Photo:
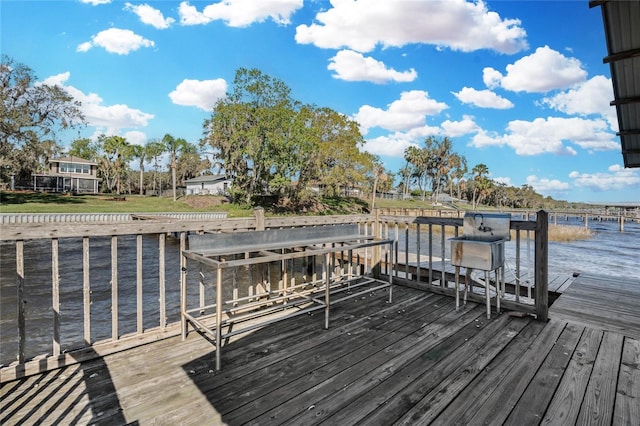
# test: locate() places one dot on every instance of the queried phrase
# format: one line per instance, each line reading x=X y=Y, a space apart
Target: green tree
x=441 y=159
x=418 y=158
x=405 y=174
x=190 y=164
x=481 y=184
x=140 y=152
x=458 y=171
x=30 y=113
x=249 y=132
x=271 y=144
x=117 y=153
x=155 y=149
x=340 y=165
x=378 y=175
x=85 y=149
x=174 y=147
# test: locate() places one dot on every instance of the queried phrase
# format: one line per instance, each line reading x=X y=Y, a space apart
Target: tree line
x=267 y=142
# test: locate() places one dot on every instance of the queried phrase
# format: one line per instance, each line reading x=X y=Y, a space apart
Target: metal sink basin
x=477 y=252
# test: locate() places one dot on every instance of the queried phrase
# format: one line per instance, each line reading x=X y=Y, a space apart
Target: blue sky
x=517 y=85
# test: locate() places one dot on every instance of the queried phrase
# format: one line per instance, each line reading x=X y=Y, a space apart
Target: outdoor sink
x=477 y=252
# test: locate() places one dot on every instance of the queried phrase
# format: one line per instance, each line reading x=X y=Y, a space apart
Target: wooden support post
x=55 y=295
x=621 y=223
x=541 y=266
x=418 y=273
x=86 y=290
x=162 y=279
x=114 y=287
x=258 y=214
x=376 y=252
x=139 y=305
x=20 y=299
x=218 y=319
x=183 y=285
x=327 y=290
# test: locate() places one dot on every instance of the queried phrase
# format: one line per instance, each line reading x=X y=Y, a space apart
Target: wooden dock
x=413 y=361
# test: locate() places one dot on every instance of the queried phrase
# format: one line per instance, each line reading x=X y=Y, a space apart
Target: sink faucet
x=482 y=227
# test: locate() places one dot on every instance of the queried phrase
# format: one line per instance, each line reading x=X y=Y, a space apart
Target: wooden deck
x=604 y=303
x=414 y=361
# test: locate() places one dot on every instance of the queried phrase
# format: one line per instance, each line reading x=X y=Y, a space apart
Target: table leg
x=487 y=295
x=327 y=284
x=458 y=287
x=218 y=319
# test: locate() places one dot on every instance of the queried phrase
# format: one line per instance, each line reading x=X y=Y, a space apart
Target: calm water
x=607 y=252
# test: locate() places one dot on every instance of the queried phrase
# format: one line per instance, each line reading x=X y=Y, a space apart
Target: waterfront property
x=68 y=174
x=208 y=185
x=412 y=360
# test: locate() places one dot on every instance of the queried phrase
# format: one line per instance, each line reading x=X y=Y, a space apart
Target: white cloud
x=110 y=117
x=616 y=178
x=199 y=93
x=116 y=40
x=189 y=15
x=353 y=66
x=482 y=98
x=403 y=114
x=394 y=144
x=136 y=137
x=389 y=146
x=504 y=180
x=591 y=97
x=542 y=71
x=460 y=25
x=549 y=135
x=150 y=16
x=240 y=13
x=459 y=128
x=96 y=2
x=545 y=186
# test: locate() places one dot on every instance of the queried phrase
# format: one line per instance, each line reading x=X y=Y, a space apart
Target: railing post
x=20 y=299
x=541 y=265
x=376 y=252
x=258 y=213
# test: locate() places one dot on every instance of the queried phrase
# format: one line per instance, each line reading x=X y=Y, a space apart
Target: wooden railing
x=133 y=324
x=429 y=267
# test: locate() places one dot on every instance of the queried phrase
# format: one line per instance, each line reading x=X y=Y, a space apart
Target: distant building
x=68 y=174
x=208 y=185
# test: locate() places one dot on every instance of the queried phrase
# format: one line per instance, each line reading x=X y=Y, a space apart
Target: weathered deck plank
x=605 y=303
x=413 y=361
x=627 y=409
x=597 y=407
x=565 y=405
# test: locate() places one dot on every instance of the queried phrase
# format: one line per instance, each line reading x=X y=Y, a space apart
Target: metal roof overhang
x=621 y=20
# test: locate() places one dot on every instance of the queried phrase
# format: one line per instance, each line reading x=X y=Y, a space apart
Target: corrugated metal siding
x=622 y=29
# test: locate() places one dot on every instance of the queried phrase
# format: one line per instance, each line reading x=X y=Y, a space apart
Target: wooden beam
x=628 y=132
x=626 y=54
x=541 y=265
x=594 y=3
x=625 y=101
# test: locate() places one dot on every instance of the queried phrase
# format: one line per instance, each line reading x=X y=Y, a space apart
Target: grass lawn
x=37 y=202
x=29 y=202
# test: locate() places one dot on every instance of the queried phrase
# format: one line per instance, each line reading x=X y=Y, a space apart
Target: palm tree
x=118 y=153
x=140 y=152
x=154 y=150
x=481 y=183
x=174 y=147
